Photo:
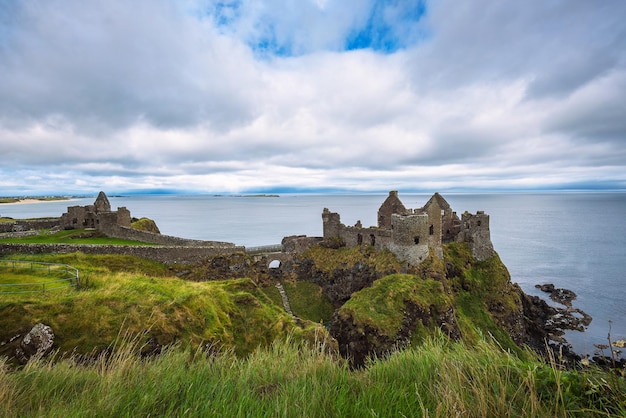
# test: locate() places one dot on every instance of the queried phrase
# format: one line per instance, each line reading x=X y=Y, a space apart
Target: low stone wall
x=162 y=254
x=159 y=239
x=28 y=225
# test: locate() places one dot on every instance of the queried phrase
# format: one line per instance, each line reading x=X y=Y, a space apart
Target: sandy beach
x=24 y=201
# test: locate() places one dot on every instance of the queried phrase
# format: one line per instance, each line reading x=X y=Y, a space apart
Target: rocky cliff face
x=459 y=297
x=382 y=305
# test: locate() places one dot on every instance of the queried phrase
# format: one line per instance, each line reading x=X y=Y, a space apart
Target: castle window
x=373 y=239
x=359 y=239
x=478 y=223
x=416 y=240
x=431 y=230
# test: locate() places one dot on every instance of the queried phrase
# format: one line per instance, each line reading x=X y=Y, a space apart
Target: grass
x=307 y=301
x=23 y=277
x=295 y=379
x=382 y=306
x=140 y=296
x=327 y=259
x=73 y=236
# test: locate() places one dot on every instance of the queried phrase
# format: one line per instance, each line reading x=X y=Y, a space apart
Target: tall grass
x=295 y=379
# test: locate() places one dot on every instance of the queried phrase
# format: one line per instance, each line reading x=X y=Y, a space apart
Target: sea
x=574 y=240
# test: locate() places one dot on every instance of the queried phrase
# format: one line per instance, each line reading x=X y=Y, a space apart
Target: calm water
x=574 y=240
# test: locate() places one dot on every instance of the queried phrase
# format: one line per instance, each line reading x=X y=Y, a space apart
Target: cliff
x=391 y=306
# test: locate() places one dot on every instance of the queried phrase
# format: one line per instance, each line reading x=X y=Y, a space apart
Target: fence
x=68 y=276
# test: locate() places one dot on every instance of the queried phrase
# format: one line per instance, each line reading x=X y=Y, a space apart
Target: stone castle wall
x=477 y=234
x=116 y=231
x=411 y=233
x=28 y=225
x=164 y=254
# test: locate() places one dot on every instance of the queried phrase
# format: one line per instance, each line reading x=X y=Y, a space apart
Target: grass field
x=295 y=379
x=73 y=236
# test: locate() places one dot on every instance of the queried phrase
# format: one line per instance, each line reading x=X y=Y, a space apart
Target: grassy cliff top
x=131 y=295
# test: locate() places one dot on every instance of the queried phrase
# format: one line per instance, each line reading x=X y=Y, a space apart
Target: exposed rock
x=37 y=342
x=145 y=224
x=339 y=284
x=548 y=287
x=562 y=296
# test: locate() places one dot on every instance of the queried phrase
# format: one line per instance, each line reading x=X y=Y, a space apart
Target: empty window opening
x=478 y=223
x=431 y=230
x=359 y=239
x=372 y=239
x=416 y=240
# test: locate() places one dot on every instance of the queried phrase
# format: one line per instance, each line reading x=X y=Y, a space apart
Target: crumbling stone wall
x=116 y=231
x=164 y=254
x=379 y=238
x=410 y=233
x=477 y=234
x=28 y=225
x=391 y=205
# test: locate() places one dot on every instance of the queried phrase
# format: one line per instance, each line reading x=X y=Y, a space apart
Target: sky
x=207 y=96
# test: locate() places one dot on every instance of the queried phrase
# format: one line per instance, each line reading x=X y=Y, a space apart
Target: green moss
x=308 y=302
x=327 y=259
x=145 y=224
x=383 y=305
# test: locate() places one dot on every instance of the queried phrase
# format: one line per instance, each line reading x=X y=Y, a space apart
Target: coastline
x=30 y=200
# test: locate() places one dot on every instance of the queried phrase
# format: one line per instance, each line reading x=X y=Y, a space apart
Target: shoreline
x=31 y=200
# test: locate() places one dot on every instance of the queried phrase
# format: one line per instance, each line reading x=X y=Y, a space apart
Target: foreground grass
x=437 y=379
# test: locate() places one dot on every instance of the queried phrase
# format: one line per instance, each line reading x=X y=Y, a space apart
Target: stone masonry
x=411 y=233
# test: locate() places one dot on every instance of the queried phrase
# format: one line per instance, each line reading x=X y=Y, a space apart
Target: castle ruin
x=411 y=233
x=97 y=216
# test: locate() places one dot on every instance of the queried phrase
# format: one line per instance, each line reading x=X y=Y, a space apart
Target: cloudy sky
x=277 y=95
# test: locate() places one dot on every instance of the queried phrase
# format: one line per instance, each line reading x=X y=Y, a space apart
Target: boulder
x=37 y=342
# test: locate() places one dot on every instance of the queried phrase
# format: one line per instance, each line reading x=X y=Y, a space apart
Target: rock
x=37 y=342
x=548 y=287
x=562 y=296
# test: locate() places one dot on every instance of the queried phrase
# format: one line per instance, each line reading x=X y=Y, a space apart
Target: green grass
x=327 y=259
x=73 y=236
x=294 y=379
x=382 y=306
x=124 y=292
x=308 y=302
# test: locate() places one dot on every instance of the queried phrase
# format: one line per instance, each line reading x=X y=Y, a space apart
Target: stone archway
x=274 y=264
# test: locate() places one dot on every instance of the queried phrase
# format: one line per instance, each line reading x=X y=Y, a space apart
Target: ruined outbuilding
x=411 y=233
x=98 y=216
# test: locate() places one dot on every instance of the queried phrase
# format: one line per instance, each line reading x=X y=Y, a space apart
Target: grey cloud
x=595 y=115
x=108 y=65
x=490 y=40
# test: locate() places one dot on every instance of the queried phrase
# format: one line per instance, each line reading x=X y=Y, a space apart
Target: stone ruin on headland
x=411 y=233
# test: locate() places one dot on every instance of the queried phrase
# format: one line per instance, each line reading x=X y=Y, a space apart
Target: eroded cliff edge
x=383 y=305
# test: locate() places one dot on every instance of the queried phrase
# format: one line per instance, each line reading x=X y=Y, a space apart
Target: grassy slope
x=437 y=379
x=73 y=236
x=128 y=294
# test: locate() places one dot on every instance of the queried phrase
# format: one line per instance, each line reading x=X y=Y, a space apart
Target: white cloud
x=157 y=94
